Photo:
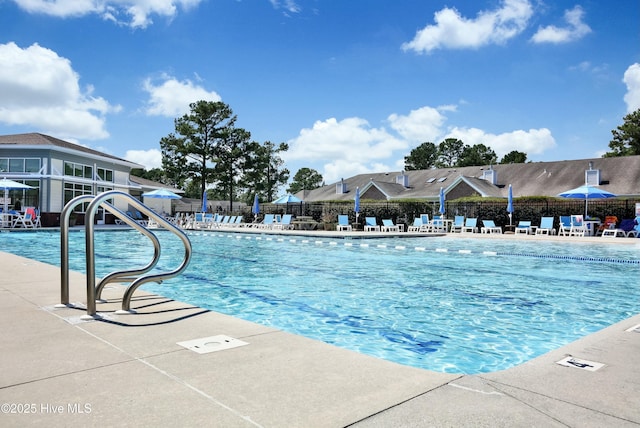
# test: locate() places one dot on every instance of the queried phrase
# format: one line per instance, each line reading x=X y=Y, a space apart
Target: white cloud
x=576 y=29
x=340 y=149
x=632 y=80
x=288 y=5
x=137 y=12
x=41 y=90
x=171 y=97
x=349 y=146
x=454 y=31
x=149 y=158
x=532 y=142
x=420 y=125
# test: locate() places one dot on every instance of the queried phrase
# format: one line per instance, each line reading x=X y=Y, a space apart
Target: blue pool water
x=445 y=304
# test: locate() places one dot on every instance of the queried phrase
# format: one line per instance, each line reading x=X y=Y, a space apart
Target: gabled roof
x=618 y=175
x=40 y=141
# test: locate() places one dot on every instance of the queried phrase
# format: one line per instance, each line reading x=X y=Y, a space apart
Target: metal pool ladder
x=136 y=277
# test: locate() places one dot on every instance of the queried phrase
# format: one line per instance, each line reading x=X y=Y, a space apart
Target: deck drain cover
x=212 y=344
x=577 y=363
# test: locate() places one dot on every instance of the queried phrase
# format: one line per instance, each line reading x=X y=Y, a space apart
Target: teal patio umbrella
x=161 y=194
x=587 y=192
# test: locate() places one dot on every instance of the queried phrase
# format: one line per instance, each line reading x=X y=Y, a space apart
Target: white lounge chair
x=343 y=223
x=389 y=226
x=489 y=226
x=458 y=224
x=524 y=226
x=470 y=226
x=546 y=226
x=371 y=225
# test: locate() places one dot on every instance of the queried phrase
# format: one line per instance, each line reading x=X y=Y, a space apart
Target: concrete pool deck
x=128 y=370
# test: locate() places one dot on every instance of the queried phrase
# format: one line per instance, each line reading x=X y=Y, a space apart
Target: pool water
x=444 y=304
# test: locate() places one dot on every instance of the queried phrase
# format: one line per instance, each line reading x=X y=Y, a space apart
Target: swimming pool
x=445 y=304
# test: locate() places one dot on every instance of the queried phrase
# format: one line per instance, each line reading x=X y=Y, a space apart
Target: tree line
x=208 y=151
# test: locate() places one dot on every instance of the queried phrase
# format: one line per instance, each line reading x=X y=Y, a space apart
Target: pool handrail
x=93 y=291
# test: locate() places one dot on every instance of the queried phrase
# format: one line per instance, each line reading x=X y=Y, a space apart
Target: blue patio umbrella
x=587 y=192
x=441 y=210
x=510 y=204
x=287 y=199
x=204 y=201
x=161 y=194
x=256 y=206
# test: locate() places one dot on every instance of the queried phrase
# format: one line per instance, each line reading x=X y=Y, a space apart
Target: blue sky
x=352 y=86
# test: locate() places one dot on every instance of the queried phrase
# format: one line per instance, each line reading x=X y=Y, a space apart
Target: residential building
x=618 y=175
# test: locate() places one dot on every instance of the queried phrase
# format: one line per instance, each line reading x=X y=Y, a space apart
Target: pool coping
x=129 y=370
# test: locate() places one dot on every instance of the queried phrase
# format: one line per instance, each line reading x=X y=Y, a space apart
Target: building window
x=71 y=190
x=20 y=165
x=78 y=170
x=105 y=174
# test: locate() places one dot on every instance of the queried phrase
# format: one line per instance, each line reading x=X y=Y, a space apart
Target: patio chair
x=389 y=226
x=24 y=220
x=416 y=226
x=343 y=223
x=565 y=225
x=610 y=222
x=438 y=225
x=285 y=223
x=267 y=221
x=458 y=224
x=578 y=228
x=628 y=226
x=371 y=225
x=546 y=226
x=489 y=226
x=524 y=226
x=470 y=226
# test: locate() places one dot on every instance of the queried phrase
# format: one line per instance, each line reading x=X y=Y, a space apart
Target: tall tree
x=449 y=152
x=425 y=156
x=231 y=153
x=174 y=160
x=264 y=170
x=199 y=133
x=305 y=179
x=626 y=138
x=514 y=156
x=478 y=154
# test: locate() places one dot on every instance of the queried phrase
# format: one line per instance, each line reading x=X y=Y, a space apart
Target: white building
x=58 y=171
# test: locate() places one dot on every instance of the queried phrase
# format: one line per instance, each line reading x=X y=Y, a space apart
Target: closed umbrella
x=510 y=205
x=442 y=209
x=356 y=204
x=204 y=201
x=256 y=207
x=10 y=184
x=587 y=192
